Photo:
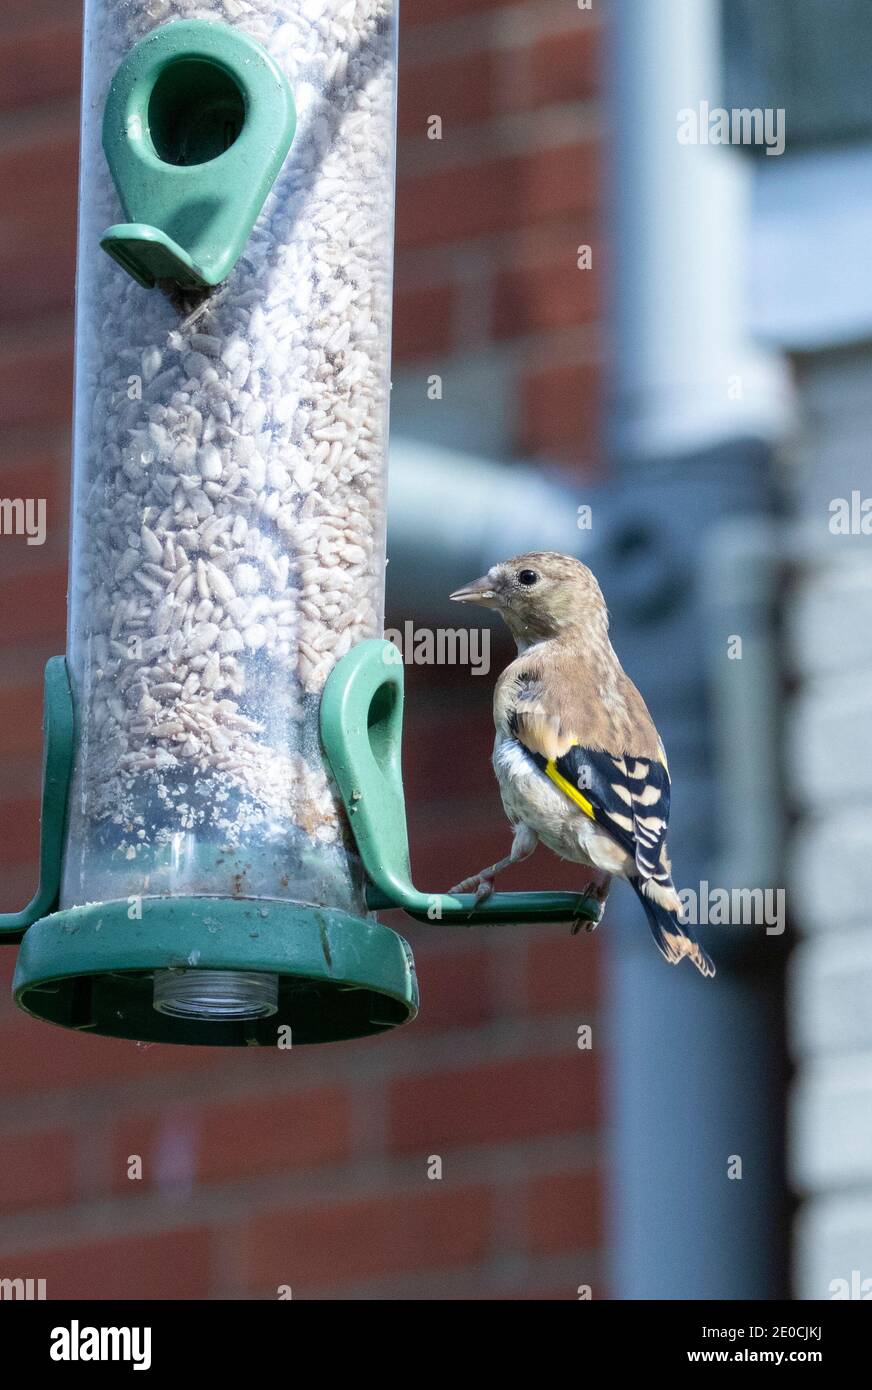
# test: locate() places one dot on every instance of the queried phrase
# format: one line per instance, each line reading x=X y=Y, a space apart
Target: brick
x=545 y=870
x=19 y=842
x=40 y=64
x=234 y=1139
x=455 y=990
x=460 y=89
x=561 y=412
x=21 y=15
x=31 y=285
x=22 y=564
x=162 y=1265
x=566 y=67
x=431 y=776
x=536 y=298
x=18 y=887
x=39 y=1058
x=36 y=384
x=29 y=474
x=563 y=971
x=420 y=12
x=38 y=481
x=35 y=611
x=265 y=1133
x=442 y=854
x=7 y=970
x=38 y=211
x=474 y=87
x=316 y=1247
x=36 y=172
x=551 y=241
x=36 y=1169
x=422 y=322
x=446 y=847
x=564 y=1212
x=496 y=1101
x=21 y=721
x=480 y=199
x=549 y=1294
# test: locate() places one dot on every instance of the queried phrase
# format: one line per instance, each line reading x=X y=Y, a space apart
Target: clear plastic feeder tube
x=229 y=491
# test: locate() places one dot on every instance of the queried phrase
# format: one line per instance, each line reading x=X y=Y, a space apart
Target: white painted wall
x=828 y=750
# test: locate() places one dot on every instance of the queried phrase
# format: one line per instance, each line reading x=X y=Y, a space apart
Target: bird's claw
x=478 y=884
x=584 y=925
x=597 y=888
x=599 y=891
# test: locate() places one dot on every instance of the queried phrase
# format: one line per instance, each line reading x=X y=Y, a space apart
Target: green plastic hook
x=59 y=745
x=361 y=730
x=198 y=122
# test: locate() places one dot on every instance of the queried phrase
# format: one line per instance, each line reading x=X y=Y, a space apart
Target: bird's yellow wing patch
x=566 y=786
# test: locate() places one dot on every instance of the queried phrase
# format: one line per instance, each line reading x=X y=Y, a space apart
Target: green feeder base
x=93 y=968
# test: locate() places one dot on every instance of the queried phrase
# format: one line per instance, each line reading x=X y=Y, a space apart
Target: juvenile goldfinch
x=579 y=762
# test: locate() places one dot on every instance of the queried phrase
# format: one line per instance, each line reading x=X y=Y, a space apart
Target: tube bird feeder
x=222 y=803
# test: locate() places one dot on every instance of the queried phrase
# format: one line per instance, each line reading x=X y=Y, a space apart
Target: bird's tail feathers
x=673 y=938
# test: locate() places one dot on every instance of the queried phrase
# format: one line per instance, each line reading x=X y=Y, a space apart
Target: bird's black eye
x=528 y=577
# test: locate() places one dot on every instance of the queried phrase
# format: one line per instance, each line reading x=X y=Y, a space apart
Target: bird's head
x=540 y=595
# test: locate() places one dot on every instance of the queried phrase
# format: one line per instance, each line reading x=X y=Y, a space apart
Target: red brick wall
x=490 y=216
x=309 y=1167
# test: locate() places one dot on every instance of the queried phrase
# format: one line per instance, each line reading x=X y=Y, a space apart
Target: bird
x=579 y=762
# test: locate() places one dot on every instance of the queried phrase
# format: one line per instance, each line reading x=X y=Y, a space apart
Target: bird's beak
x=479 y=591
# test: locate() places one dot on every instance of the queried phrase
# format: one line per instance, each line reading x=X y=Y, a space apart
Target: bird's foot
x=597 y=888
x=479 y=884
x=584 y=925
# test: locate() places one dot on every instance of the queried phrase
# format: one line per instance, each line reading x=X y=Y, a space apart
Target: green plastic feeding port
x=197 y=125
x=361 y=730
